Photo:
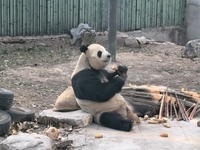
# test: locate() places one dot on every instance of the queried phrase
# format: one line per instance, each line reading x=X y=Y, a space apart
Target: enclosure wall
x=50 y=17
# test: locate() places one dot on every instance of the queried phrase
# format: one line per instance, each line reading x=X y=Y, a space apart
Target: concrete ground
x=182 y=136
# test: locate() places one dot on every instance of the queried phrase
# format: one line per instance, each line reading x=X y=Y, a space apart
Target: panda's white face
x=97 y=56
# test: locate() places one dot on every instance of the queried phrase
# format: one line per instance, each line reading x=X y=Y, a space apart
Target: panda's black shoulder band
x=83 y=48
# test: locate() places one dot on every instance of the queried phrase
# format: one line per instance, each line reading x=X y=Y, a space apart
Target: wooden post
x=112 y=29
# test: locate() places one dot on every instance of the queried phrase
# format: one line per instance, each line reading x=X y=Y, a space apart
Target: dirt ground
x=38 y=71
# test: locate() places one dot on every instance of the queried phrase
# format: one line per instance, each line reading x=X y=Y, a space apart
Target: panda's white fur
x=90 y=74
x=89 y=59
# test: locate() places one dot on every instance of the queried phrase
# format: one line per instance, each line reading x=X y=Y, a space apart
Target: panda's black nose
x=108 y=55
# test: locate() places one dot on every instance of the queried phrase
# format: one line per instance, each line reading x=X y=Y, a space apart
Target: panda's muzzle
x=108 y=56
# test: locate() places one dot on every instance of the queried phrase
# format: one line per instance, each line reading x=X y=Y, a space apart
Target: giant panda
x=97 y=91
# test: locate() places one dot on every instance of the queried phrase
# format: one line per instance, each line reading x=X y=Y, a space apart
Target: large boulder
x=135 y=42
x=83 y=35
x=131 y=42
x=26 y=141
x=191 y=49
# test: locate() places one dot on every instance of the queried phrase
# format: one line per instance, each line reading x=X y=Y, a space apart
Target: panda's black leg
x=115 y=121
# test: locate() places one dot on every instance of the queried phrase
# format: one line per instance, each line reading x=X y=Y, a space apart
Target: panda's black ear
x=83 y=48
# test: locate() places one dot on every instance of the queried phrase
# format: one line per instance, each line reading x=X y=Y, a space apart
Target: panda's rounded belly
x=95 y=108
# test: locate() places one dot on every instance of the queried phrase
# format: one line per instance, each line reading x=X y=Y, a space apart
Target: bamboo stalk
x=170 y=105
x=168 y=100
x=182 y=110
x=193 y=111
x=166 y=105
x=175 y=111
x=173 y=117
x=179 y=114
x=161 y=107
x=189 y=109
x=154 y=93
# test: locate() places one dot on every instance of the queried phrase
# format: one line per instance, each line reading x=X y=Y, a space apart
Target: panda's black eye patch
x=99 y=54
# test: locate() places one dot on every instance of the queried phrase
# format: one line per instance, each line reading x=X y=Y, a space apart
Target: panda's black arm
x=110 y=75
x=120 y=71
x=88 y=86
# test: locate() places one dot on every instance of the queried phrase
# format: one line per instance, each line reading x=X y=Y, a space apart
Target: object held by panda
x=121 y=70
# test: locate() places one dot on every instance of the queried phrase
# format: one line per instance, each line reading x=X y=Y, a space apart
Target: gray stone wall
x=192 y=20
x=175 y=34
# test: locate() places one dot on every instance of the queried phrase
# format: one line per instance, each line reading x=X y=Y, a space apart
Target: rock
x=88 y=38
x=77 y=118
x=26 y=141
x=198 y=123
x=191 y=49
x=52 y=132
x=78 y=140
x=131 y=42
x=83 y=34
x=142 y=40
x=122 y=35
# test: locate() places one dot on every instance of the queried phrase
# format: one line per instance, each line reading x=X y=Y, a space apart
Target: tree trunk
x=112 y=29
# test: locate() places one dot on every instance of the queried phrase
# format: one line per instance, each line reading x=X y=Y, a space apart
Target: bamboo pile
x=162 y=101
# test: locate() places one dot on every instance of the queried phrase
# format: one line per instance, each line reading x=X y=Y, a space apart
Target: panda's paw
x=127 y=126
x=122 y=71
x=115 y=121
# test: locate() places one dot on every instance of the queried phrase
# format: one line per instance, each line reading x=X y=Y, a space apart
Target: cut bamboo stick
x=193 y=111
x=182 y=110
x=171 y=106
x=161 y=107
x=175 y=111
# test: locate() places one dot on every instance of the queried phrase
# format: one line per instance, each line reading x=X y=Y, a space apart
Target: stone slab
x=76 y=118
x=26 y=141
x=182 y=136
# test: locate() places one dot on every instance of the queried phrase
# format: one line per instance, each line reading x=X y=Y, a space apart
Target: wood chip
x=152 y=122
x=99 y=135
x=146 y=117
x=52 y=132
x=166 y=125
x=164 y=134
x=161 y=107
x=14 y=132
x=114 y=68
x=162 y=120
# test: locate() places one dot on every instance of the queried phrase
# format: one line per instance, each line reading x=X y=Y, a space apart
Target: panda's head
x=97 y=56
